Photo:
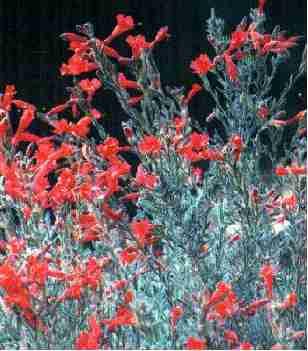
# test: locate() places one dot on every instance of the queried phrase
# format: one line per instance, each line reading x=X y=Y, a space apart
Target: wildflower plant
x=96 y=254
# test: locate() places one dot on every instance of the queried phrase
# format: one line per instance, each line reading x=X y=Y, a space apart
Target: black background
x=31 y=51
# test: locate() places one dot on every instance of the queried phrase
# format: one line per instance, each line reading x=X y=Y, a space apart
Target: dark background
x=31 y=51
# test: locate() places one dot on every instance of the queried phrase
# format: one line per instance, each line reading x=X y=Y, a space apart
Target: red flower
x=238 y=39
x=142 y=231
x=90 y=340
x=193 y=343
x=77 y=65
x=90 y=86
x=82 y=127
x=246 y=346
x=231 y=68
x=124 y=24
x=289 y=302
x=7 y=98
x=149 y=145
x=129 y=255
x=237 y=146
x=124 y=317
x=201 y=65
x=127 y=84
x=134 y=100
x=253 y=307
x=137 y=44
x=145 y=179
x=231 y=337
x=261 y=6
x=267 y=275
x=161 y=35
x=176 y=313
x=281 y=171
x=263 y=112
x=198 y=141
x=195 y=89
x=128 y=297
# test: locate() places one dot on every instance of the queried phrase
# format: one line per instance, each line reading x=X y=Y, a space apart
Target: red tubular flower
x=231 y=68
x=161 y=35
x=129 y=255
x=195 y=89
x=73 y=37
x=261 y=7
x=289 y=302
x=90 y=340
x=124 y=24
x=137 y=44
x=149 y=145
x=238 y=39
x=267 y=275
x=128 y=297
x=145 y=179
x=124 y=317
x=77 y=65
x=176 y=314
x=237 y=146
x=246 y=346
x=263 y=112
x=90 y=86
x=202 y=65
x=231 y=337
x=135 y=100
x=82 y=127
x=127 y=84
x=193 y=343
x=7 y=98
x=142 y=231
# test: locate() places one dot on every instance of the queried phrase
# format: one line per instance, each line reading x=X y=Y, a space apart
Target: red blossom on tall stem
x=202 y=65
x=267 y=275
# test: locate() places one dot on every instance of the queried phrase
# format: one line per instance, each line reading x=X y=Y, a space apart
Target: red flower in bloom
x=263 y=112
x=161 y=35
x=149 y=145
x=195 y=89
x=231 y=68
x=90 y=86
x=267 y=275
x=124 y=24
x=7 y=98
x=3 y=128
x=261 y=6
x=201 y=65
x=237 y=146
x=142 y=231
x=127 y=84
x=222 y=303
x=145 y=179
x=82 y=127
x=90 y=340
x=289 y=302
x=198 y=141
x=231 y=337
x=238 y=39
x=137 y=44
x=129 y=255
x=128 y=297
x=77 y=65
x=193 y=343
x=124 y=317
x=246 y=346
x=134 y=100
x=176 y=313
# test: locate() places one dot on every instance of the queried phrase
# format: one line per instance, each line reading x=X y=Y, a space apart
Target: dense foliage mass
x=201 y=246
